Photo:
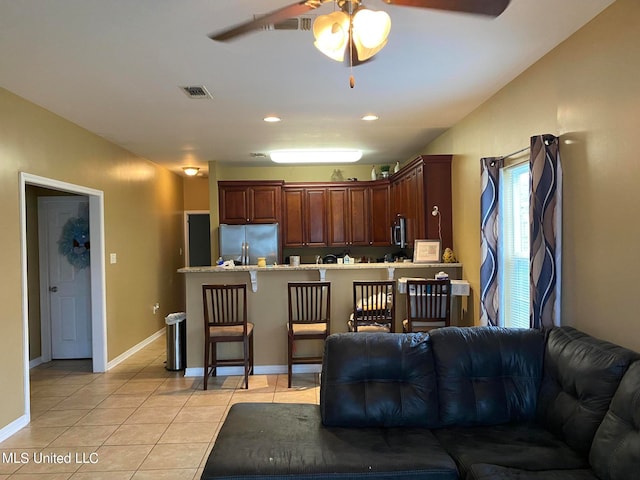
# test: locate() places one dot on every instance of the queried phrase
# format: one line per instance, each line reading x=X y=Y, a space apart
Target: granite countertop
x=313 y=266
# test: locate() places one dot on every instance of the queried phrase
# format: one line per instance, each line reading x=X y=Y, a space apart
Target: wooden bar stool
x=225 y=320
x=309 y=318
x=373 y=306
x=428 y=305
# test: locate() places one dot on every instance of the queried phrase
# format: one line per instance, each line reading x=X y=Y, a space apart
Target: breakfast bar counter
x=267 y=303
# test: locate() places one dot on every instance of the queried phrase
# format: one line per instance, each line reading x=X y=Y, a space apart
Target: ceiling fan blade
x=492 y=8
x=276 y=16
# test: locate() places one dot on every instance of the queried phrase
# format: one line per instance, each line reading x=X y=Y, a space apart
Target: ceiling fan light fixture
x=332 y=34
x=302 y=156
x=370 y=32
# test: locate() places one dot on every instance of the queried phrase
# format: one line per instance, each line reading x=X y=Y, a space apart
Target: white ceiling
x=115 y=67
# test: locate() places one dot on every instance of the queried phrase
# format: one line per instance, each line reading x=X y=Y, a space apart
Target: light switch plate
x=113 y=258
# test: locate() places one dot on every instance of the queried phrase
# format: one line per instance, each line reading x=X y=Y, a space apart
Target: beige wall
x=587 y=92
x=196 y=193
x=293 y=173
x=143 y=225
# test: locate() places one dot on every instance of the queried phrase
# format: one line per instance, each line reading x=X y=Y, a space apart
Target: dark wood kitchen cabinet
x=304 y=216
x=416 y=189
x=349 y=215
x=242 y=202
x=380 y=214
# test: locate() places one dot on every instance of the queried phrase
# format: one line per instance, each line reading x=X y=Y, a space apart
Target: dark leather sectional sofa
x=458 y=403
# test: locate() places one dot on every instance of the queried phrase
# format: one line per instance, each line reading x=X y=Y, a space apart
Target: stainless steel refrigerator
x=245 y=243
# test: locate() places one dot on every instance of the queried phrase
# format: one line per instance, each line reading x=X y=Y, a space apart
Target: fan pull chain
x=352 y=80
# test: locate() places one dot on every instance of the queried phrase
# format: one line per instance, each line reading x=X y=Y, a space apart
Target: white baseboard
x=258 y=370
x=35 y=362
x=135 y=349
x=14 y=427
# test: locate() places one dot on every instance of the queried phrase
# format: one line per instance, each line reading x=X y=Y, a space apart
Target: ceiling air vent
x=297 y=23
x=197 y=91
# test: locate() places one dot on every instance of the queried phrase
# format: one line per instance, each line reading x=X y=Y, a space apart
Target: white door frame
x=98 y=278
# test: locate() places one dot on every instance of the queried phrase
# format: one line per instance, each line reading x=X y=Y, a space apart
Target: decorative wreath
x=74 y=242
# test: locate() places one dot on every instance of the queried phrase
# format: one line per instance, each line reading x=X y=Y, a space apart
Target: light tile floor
x=137 y=421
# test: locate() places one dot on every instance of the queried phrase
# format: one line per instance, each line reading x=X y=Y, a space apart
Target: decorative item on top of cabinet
x=448 y=256
x=241 y=202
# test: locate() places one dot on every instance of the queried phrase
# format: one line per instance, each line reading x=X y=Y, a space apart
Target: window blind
x=514 y=247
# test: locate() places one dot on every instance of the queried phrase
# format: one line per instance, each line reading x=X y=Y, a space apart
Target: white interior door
x=68 y=292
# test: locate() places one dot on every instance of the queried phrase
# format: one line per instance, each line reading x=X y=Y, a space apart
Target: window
x=513 y=249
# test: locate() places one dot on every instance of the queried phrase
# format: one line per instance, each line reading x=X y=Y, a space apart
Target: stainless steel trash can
x=176 y=334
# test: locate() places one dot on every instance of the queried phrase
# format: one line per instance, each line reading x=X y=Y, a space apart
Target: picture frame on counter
x=427 y=251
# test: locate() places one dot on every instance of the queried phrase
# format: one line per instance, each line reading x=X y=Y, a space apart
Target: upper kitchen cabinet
x=349 y=215
x=304 y=216
x=242 y=202
x=415 y=190
x=379 y=214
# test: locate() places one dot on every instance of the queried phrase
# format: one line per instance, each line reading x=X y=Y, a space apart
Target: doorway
x=96 y=275
x=198 y=238
x=64 y=246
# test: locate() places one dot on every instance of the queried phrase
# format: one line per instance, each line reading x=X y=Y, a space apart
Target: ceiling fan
x=354 y=28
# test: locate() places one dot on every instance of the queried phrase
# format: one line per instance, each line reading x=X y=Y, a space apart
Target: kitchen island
x=267 y=304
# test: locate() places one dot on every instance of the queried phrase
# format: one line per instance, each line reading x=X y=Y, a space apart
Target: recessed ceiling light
x=316 y=156
x=272 y=119
x=370 y=118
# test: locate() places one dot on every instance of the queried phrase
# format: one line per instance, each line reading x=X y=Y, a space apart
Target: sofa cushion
x=615 y=453
x=581 y=374
x=487 y=375
x=378 y=379
x=482 y=471
x=522 y=446
x=288 y=441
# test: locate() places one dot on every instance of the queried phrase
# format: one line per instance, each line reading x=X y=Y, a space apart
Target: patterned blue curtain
x=545 y=212
x=489 y=293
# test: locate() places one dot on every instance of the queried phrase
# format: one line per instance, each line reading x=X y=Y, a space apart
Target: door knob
x=53 y=289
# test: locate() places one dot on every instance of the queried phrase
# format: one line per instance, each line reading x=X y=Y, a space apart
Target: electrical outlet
x=113 y=258
x=156 y=307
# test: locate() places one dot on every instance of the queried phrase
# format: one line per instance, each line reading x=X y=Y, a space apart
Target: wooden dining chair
x=373 y=306
x=428 y=305
x=309 y=319
x=225 y=320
